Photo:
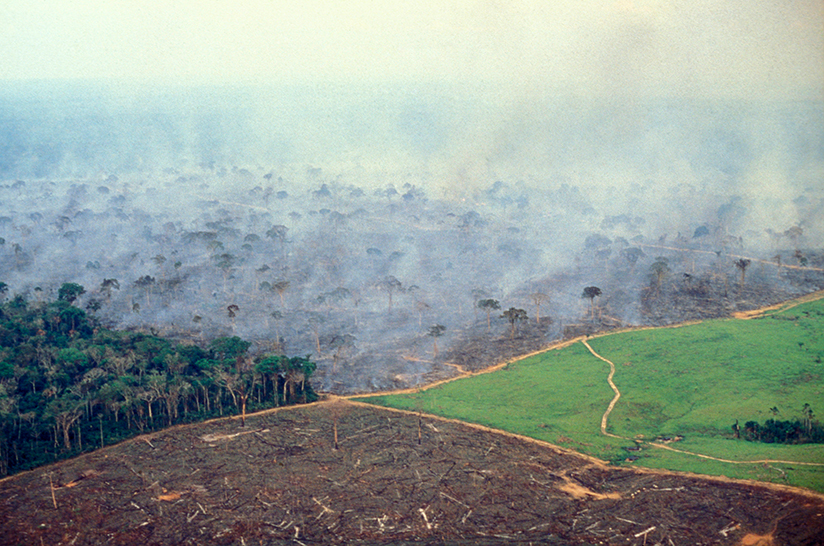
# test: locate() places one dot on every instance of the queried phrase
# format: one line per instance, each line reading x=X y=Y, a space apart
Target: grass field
x=692 y=381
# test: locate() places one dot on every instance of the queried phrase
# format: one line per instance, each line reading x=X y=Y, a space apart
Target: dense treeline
x=68 y=385
x=784 y=432
x=774 y=431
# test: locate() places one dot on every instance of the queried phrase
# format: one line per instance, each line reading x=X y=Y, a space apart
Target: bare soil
x=279 y=481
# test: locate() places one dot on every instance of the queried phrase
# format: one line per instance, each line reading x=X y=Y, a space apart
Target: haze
x=465 y=149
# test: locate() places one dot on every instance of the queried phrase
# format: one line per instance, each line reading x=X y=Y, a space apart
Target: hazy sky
x=733 y=48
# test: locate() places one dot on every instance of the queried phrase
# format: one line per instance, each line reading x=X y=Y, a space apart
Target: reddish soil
x=279 y=481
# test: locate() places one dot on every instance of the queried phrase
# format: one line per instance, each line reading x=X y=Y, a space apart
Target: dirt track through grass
x=662 y=446
x=754 y=465
x=612 y=386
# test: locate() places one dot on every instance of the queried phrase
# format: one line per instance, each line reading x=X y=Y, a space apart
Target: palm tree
x=742 y=264
x=807 y=411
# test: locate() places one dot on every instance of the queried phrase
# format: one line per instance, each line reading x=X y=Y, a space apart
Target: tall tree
x=270 y=367
x=591 y=292
x=742 y=264
x=234 y=371
x=538 y=298
x=436 y=331
x=297 y=372
x=278 y=233
x=277 y=315
x=391 y=285
x=280 y=287
x=659 y=269
x=65 y=409
x=514 y=316
x=225 y=262
x=146 y=282
x=489 y=305
x=340 y=343
x=107 y=286
x=231 y=311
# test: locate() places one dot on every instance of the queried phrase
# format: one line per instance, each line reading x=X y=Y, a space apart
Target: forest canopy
x=69 y=385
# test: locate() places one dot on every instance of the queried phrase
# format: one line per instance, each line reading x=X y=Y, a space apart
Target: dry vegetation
x=279 y=480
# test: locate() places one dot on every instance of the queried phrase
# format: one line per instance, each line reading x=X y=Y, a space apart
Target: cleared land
x=279 y=481
x=403 y=477
x=689 y=384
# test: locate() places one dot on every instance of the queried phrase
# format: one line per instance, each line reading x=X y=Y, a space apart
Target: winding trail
x=663 y=446
x=463 y=373
x=612 y=385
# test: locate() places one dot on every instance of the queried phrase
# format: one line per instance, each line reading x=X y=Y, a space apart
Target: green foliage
x=68 y=385
x=70 y=291
x=784 y=432
x=691 y=382
x=229 y=348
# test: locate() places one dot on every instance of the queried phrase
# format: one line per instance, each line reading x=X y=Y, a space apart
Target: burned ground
x=279 y=481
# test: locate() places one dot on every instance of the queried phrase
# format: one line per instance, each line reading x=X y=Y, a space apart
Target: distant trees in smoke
x=324 y=257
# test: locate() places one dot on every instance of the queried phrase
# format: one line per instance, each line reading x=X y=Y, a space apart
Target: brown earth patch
x=279 y=481
x=756 y=540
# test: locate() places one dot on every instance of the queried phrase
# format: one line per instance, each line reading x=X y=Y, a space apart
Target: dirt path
x=462 y=372
x=604 y=418
x=662 y=446
x=754 y=260
x=612 y=385
x=765 y=311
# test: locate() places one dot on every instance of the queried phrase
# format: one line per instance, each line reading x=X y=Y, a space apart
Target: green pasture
x=693 y=381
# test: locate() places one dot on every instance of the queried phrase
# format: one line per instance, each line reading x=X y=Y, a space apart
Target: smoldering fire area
x=345 y=224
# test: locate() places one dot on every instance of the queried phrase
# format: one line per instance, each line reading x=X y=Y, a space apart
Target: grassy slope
x=693 y=381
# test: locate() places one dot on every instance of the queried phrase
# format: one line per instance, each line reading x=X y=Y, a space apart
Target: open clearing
x=279 y=481
x=681 y=390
